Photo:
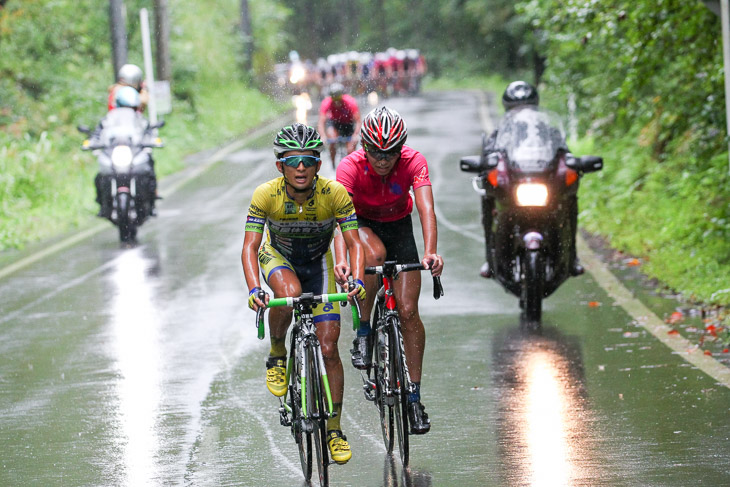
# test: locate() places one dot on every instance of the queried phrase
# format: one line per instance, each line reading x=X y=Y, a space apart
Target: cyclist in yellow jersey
x=301 y=212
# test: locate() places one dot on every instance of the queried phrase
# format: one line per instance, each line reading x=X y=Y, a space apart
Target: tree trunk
x=162 y=40
x=247 y=37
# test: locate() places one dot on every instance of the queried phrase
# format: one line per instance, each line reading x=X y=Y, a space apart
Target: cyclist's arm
x=342 y=269
x=322 y=118
x=356 y=252
x=357 y=121
x=424 y=204
x=250 y=258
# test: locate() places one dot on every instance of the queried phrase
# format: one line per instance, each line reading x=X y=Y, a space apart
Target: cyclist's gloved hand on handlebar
x=358 y=291
x=434 y=262
x=254 y=302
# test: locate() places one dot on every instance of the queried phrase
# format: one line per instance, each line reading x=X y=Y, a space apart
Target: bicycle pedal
x=369 y=390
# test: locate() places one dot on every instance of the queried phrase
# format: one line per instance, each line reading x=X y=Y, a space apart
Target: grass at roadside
x=46 y=182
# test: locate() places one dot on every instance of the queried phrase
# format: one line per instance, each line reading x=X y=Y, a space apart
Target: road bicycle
x=387 y=381
x=307 y=404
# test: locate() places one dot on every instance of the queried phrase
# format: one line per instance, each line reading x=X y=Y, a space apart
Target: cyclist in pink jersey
x=379 y=177
x=339 y=116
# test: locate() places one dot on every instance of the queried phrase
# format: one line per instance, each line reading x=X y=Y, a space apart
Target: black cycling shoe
x=418 y=419
x=362 y=351
x=576 y=269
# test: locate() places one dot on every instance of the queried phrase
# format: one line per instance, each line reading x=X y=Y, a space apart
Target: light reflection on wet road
x=140 y=366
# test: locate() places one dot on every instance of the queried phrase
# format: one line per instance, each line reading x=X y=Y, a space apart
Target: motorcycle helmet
x=383 y=129
x=126 y=96
x=519 y=93
x=297 y=137
x=130 y=74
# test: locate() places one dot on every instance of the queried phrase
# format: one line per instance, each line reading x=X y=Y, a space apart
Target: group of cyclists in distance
x=366 y=211
x=391 y=72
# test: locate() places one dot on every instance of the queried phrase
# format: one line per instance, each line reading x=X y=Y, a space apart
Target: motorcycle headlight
x=532 y=194
x=297 y=74
x=122 y=156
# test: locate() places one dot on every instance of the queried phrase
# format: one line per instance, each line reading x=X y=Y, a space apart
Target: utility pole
x=247 y=36
x=725 y=25
x=118 y=26
x=162 y=40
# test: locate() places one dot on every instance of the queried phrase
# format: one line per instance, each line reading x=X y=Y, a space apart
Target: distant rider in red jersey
x=339 y=116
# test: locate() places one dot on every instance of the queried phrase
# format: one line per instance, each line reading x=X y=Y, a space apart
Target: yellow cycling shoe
x=276 y=375
x=339 y=447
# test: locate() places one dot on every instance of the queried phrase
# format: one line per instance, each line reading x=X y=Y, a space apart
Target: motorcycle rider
x=518 y=95
x=126 y=97
x=129 y=75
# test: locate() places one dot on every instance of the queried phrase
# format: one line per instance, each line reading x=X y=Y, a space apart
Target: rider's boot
x=338 y=446
x=485 y=271
x=276 y=375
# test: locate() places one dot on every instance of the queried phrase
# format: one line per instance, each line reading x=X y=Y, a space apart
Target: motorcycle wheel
x=127 y=227
x=532 y=289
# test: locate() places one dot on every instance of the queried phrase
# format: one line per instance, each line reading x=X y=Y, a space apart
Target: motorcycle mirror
x=492 y=160
x=590 y=163
x=83 y=129
x=470 y=164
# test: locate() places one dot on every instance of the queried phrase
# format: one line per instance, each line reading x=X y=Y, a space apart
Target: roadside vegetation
x=55 y=69
x=646 y=77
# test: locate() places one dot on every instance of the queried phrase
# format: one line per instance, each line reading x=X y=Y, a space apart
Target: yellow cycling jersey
x=301 y=233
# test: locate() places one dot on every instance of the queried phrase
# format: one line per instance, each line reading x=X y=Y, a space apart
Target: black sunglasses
x=381 y=155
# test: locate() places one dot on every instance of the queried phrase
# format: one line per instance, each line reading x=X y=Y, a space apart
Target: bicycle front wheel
x=299 y=426
x=400 y=384
x=316 y=407
x=384 y=391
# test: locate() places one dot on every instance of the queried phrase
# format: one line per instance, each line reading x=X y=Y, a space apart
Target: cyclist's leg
x=319 y=278
x=347 y=130
x=331 y=133
x=279 y=274
x=374 y=255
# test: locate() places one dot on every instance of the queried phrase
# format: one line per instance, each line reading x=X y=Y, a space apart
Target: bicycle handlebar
x=392 y=269
x=305 y=299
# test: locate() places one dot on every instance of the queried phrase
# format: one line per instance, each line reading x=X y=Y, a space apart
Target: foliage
x=650 y=64
x=456 y=36
x=55 y=68
x=677 y=218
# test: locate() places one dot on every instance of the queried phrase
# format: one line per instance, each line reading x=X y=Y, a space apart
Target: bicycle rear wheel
x=316 y=400
x=400 y=385
x=383 y=373
x=302 y=437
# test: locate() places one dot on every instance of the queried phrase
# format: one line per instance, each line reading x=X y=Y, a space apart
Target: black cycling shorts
x=343 y=129
x=397 y=236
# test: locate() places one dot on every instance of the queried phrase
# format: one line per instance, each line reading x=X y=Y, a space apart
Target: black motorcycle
x=533 y=180
x=126 y=184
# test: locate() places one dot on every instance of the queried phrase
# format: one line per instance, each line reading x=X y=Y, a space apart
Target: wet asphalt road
x=140 y=366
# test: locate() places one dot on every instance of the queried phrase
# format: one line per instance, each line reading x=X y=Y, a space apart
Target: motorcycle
x=123 y=143
x=533 y=180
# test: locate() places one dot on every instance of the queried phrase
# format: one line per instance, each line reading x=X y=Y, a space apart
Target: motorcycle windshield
x=123 y=126
x=531 y=138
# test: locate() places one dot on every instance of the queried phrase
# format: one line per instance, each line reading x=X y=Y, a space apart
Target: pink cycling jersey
x=383 y=198
x=342 y=113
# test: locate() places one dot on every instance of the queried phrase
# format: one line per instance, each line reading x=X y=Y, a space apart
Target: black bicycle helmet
x=297 y=137
x=519 y=93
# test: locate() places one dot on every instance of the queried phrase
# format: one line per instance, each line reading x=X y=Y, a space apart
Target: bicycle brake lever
x=438 y=289
x=260 y=316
